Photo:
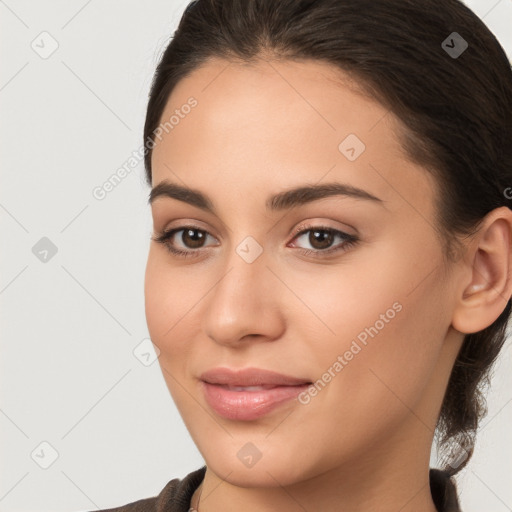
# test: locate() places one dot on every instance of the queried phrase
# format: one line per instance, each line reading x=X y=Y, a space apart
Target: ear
x=486 y=286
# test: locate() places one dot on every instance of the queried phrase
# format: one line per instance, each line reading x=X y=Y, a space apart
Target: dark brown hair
x=456 y=110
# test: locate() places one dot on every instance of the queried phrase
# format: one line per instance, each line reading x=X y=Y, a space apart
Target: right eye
x=191 y=236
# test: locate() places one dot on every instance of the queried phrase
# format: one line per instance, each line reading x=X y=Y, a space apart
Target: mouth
x=249 y=394
x=250 y=402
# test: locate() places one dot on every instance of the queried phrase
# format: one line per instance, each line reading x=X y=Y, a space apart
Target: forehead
x=274 y=98
x=274 y=124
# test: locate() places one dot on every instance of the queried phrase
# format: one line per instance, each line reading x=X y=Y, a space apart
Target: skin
x=363 y=443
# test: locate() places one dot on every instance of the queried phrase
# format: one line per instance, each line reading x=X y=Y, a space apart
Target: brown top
x=176 y=495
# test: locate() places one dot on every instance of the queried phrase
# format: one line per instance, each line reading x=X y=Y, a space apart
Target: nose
x=245 y=301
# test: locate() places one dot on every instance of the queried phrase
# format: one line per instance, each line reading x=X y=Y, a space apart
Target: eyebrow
x=281 y=201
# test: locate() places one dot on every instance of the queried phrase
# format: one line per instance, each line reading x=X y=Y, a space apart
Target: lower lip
x=248 y=405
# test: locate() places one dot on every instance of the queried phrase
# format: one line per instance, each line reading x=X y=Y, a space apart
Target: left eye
x=321 y=238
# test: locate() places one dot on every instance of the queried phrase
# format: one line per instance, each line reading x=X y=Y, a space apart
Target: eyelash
x=349 y=241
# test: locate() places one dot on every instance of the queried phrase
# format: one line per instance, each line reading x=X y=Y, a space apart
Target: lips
x=248 y=394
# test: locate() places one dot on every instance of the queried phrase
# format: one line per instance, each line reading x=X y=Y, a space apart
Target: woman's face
x=368 y=321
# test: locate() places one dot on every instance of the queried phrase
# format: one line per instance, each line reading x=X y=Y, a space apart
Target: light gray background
x=70 y=325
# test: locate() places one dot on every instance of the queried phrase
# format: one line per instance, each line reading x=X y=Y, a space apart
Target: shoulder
x=174 y=497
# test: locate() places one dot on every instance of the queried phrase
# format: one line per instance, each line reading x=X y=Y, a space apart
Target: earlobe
x=483 y=299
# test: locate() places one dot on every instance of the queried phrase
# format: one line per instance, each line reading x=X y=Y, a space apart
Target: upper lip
x=250 y=377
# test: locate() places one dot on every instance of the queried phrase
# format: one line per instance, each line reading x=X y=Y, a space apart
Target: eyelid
x=320 y=224
x=185 y=223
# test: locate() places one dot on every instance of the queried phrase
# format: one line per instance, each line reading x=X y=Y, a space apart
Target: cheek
x=168 y=295
x=174 y=304
x=171 y=296
x=385 y=333
x=163 y=309
x=388 y=297
x=384 y=384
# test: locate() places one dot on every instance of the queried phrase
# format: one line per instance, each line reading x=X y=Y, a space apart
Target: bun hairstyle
x=436 y=66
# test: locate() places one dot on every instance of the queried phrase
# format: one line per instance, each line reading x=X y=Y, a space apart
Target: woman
x=329 y=277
